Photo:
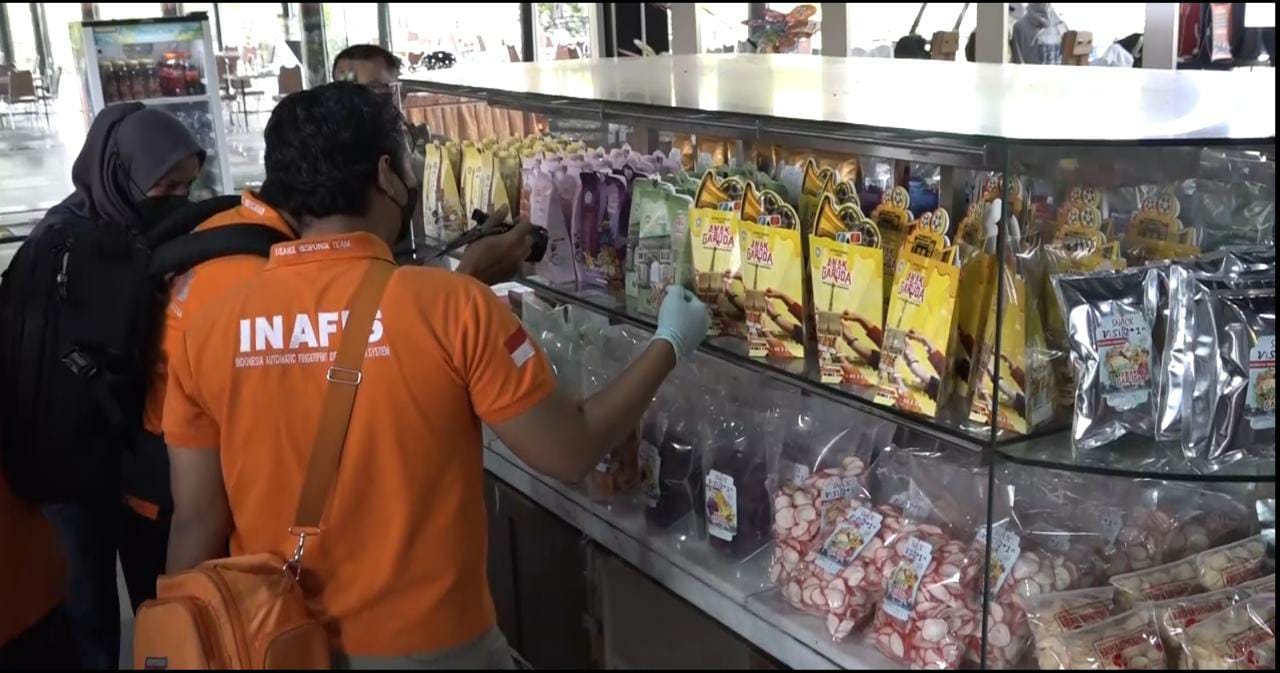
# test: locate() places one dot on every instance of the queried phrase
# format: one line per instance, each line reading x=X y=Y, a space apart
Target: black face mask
x=156 y=209
x=406 y=209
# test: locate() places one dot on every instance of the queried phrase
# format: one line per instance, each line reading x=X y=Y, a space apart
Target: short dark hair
x=367 y=52
x=323 y=146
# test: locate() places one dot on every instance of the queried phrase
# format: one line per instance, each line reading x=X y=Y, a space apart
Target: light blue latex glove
x=682 y=321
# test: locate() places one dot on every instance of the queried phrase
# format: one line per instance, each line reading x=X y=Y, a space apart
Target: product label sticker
x=799 y=473
x=915 y=505
x=904 y=581
x=1260 y=400
x=722 y=506
x=650 y=473
x=1114 y=651
x=603 y=465
x=1192 y=612
x=848 y=540
x=1081 y=616
x=1173 y=589
x=840 y=489
x=1124 y=352
x=1243 y=570
x=1006 y=546
x=1244 y=648
x=1112 y=520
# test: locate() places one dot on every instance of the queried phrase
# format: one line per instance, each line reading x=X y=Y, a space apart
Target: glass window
x=563 y=30
x=256 y=32
x=348 y=23
x=809 y=46
x=489 y=36
x=720 y=26
x=1108 y=21
x=23 y=34
x=874 y=27
x=128 y=10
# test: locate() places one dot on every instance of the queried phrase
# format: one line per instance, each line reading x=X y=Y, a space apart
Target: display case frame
x=1012 y=121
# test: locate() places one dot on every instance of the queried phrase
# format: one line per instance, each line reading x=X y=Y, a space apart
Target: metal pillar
x=835 y=29
x=527 y=43
x=1160 y=37
x=40 y=29
x=384 y=25
x=6 y=37
x=684 y=28
x=315 y=57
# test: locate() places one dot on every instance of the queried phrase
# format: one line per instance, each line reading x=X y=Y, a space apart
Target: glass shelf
x=1135 y=457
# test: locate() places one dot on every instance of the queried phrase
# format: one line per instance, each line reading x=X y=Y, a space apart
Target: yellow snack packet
x=715 y=193
x=846 y=194
x=814 y=184
x=441 y=206
x=848 y=315
x=471 y=160
x=918 y=324
x=1156 y=233
x=508 y=171
x=773 y=279
x=497 y=193
x=977 y=285
x=453 y=152
x=1026 y=383
x=713 y=237
x=893 y=218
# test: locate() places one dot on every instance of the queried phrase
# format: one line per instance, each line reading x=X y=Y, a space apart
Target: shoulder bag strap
x=343 y=378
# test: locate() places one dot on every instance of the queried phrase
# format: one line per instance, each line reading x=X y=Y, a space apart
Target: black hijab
x=128 y=149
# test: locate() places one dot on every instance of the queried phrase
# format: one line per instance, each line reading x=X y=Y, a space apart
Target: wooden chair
x=415 y=59
x=49 y=92
x=1077 y=45
x=289 y=81
x=512 y=54
x=22 y=91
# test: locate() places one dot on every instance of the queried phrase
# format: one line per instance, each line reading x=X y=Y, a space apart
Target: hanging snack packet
x=976 y=244
x=773 y=279
x=920 y=320
x=676 y=500
x=1110 y=318
x=1172 y=580
x=1242 y=636
x=473 y=185
x=619 y=470
x=557 y=266
x=736 y=495
x=1174 y=617
x=714 y=239
x=1238 y=416
x=1051 y=615
x=1155 y=232
x=650 y=253
x=814 y=184
x=1128 y=641
x=441 y=204
x=848 y=313
x=893 y=219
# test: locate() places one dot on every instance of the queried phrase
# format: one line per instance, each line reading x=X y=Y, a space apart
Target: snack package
x=1233 y=564
x=920 y=321
x=505 y=186
x=1161 y=583
x=652 y=428
x=529 y=165
x=1110 y=318
x=619 y=470
x=773 y=280
x=1262 y=585
x=717 y=260
x=976 y=243
x=477 y=173
x=595 y=230
x=557 y=266
x=1174 y=617
x=1025 y=399
x=1051 y=615
x=893 y=219
x=736 y=495
x=441 y=205
x=675 y=502
x=453 y=153
x=848 y=315
x=657 y=245
x=1155 y=232
x=814 y=184
x=1240 y=637
x=1237 y=418
x=1128 y=641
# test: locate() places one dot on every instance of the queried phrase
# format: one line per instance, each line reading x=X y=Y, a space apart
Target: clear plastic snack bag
x=674 y=503
x=1168 y=581
x=1110 y=319
x=619 y=470
x=739 y=439
x=1175 y=616
x=1240 y=637
x=1051 y=615
x=1233 y=564
x=1129 y=641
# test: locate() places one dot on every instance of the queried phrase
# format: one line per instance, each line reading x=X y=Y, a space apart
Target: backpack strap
x=186 y=251
x=188 y=218
x=344 y=378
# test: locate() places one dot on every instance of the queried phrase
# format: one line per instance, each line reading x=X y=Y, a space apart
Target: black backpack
x=79 y=311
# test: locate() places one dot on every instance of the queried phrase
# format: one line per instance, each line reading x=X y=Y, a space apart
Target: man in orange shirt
x=399 y=572
x=144 y=526
x=34 y=631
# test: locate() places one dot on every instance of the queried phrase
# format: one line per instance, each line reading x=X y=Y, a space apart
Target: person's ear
x=389 y=181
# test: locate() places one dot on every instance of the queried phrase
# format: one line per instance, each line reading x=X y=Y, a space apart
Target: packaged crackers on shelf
x=772 y=276
x=845 y=263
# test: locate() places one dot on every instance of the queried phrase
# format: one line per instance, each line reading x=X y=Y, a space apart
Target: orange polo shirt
x=31 y=565
x=204 y=282
x=401 y=565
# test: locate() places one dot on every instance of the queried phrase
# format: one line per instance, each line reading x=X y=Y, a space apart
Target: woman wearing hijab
x=136 y=168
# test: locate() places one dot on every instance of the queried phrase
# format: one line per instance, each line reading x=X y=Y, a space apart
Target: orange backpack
x=248 y=612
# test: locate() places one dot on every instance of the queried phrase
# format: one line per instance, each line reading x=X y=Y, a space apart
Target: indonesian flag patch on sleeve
x=519 y=346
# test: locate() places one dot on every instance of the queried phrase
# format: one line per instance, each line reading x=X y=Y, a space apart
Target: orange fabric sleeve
x=505 y=371
x=186 y=422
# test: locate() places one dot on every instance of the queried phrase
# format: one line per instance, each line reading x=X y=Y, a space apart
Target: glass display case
x=991 y=379
x=169 y=63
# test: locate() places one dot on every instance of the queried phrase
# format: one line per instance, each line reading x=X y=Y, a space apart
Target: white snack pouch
x=1129 y=641
x=1172 y=580
x=1240 y=637
x=1051 y=615
x=1233 y=564
x=1174 y=617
